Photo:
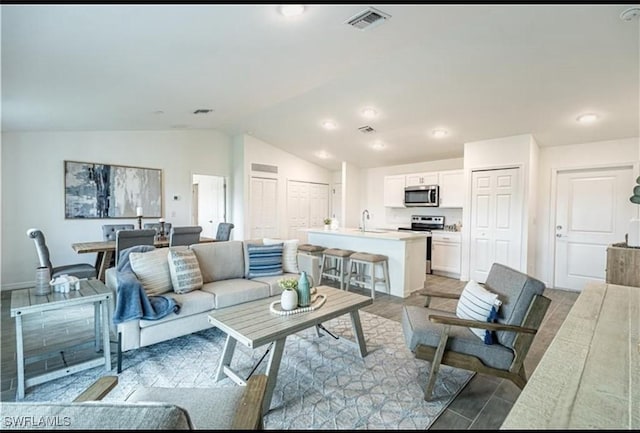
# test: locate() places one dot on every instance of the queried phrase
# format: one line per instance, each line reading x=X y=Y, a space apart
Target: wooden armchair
x=443 y=338
x=235 y=407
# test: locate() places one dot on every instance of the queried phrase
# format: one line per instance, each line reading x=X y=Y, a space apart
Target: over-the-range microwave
x=422 y=196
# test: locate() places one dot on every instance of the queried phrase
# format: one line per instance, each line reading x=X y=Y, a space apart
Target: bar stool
x=314 y=250
x=359 y=261
x=334 y=265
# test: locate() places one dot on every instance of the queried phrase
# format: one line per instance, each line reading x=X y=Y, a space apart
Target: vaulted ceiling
x=477 y=71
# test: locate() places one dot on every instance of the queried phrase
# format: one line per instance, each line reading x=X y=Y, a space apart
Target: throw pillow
x=185 y=270
x=264 y=260
x=152 y=270
x=477 y=303
x=289 y=254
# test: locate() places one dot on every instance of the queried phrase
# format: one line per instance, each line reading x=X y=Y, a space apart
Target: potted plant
x=289 y=296
x=327 y=223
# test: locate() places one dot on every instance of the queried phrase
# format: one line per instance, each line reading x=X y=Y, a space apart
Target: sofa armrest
x=311 y=265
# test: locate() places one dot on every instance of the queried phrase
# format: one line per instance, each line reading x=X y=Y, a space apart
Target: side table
x=25 y=301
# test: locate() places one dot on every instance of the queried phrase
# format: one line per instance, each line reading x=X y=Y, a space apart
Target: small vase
x=327 y=226
x=43 y=276
x=289 y=300
x=304 y=290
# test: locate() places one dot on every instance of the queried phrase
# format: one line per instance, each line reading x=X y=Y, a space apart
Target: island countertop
x=406 y=253
x=371 y=233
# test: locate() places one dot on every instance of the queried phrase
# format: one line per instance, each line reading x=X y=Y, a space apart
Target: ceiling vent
x=367 y=19
x=366 y=129
x=203 y=111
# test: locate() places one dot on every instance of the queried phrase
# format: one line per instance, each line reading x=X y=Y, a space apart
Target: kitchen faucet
x=363 y=212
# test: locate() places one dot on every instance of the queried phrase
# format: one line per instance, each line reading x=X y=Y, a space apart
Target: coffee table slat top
x=266 y=326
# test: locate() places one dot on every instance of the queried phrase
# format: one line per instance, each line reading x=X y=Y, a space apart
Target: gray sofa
x=224 y=268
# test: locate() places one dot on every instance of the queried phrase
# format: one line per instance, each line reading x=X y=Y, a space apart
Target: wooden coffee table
x=253 y=325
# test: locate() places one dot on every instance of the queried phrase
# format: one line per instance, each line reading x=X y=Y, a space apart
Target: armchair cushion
x=478 y=303
x=419 y=330
x=516 y=290
x=206 y=407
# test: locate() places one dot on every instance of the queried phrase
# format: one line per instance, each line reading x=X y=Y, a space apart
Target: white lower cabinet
x=446 y=252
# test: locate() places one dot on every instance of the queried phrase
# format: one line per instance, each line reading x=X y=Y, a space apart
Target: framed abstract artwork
x=94 y=190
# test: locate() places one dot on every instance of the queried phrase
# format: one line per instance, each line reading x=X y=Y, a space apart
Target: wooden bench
x=589 y=377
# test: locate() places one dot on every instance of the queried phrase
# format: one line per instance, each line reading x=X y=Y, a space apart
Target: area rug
x=323 y=383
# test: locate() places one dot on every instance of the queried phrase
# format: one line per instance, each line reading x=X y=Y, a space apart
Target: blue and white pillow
x=264 y=260
x=479 y=304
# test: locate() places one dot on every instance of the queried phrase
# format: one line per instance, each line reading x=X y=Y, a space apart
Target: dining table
x=105 y=249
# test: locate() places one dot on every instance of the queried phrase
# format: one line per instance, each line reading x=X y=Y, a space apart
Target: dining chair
x=224 y=231
x=79 y=270
x=109 y=230
x=157 y=227
x=132 y=238
x=187 y=235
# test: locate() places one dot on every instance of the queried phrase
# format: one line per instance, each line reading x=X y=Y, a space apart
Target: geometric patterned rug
x=323 y=383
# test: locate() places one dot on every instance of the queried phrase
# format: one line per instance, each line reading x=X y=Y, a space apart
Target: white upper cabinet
x=430 y=178
x=394 y=191
x=451 y=188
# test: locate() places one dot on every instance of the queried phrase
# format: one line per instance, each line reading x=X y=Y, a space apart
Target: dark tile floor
x=482 y=404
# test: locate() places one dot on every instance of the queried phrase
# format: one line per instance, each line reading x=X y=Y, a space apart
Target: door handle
x=558 y=227
x=559 y=235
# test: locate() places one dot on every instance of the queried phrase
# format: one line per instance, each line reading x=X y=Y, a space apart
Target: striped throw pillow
x=264 y=260
x=476 y=303
x=289 y=254
x=152 y=270
x=185 y=270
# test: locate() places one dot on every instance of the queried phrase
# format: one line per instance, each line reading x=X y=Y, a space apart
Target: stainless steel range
x=425 y=223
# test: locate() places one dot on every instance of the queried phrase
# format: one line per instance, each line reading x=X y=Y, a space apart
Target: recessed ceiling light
x=323 y=154
x=587 y=118
x=378 y=145
x=369 y=112
x=439 y=133
x=329 y=124
x=291 y=10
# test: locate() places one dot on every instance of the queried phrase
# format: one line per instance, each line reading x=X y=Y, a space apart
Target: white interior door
x=336 y=201
x=297 y=208
x=263 y=208
x=318 y=204
x=592 y=211
x=208 y=203
x=496 y=221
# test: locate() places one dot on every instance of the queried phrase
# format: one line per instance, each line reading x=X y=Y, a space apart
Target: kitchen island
x=407 y=252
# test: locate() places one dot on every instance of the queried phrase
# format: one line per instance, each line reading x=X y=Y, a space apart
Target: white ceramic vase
x=289 y=300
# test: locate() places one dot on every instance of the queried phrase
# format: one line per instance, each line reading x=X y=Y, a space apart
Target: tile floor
x=482 y=404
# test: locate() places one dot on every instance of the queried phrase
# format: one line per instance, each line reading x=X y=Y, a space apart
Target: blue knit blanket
x=132 y=302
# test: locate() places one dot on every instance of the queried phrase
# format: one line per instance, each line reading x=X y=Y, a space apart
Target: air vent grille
x=265 y=168
x=368 y=18
x=366 y=129
x=202 y=111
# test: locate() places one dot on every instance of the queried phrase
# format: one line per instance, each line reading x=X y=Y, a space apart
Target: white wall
x=290 y=167
x=596 y=154
x=352 y=197
x=33 y=185
x=373 y=198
